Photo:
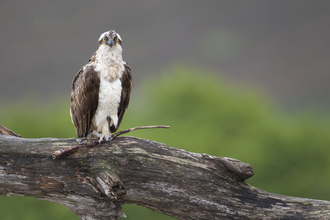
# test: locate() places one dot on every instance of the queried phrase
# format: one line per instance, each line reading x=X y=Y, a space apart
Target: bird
x=100 y=90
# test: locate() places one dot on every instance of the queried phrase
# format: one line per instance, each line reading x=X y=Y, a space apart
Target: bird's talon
x=83 y=140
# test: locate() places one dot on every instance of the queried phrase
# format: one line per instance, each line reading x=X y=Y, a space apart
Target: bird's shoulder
x=127 y=78
x=86 y=75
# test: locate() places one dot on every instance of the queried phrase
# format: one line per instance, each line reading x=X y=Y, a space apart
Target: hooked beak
x=111 y=42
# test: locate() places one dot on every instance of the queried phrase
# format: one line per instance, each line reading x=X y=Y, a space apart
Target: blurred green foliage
x=207 y=114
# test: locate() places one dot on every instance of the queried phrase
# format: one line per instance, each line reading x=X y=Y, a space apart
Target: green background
x=289 y=151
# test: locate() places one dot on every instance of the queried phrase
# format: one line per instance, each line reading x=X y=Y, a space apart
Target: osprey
x=101 y=90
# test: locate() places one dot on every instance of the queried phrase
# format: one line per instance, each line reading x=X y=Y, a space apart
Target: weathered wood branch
x=95 y=182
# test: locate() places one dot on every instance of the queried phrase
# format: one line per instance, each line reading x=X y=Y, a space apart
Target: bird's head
x=110 y=39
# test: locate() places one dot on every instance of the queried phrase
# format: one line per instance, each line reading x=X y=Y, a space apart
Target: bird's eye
x=104 y=39
x=116 y=39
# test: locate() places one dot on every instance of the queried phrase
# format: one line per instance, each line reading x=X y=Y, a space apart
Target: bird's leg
x=84 y=139
x=102 y=137
x=105 y=138
x=87 y=138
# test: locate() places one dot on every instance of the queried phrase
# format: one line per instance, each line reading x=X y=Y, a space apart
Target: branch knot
x=110 y=184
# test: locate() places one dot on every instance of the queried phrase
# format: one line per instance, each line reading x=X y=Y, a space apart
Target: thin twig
x=137 y=128
x=68 y=150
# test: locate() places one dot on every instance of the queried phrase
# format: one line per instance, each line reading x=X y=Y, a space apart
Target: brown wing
x=126 y=82
x=84 y=99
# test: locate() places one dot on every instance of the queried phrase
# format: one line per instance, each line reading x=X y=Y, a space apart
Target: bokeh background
x=242 y=79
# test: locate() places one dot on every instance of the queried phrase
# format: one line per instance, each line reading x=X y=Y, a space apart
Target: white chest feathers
x=109 y=99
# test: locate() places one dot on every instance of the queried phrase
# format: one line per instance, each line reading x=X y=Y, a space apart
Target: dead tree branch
x=95 y=182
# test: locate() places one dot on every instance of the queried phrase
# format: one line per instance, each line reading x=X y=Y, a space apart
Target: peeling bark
x=95 y=182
